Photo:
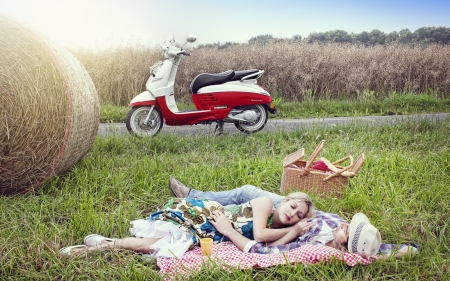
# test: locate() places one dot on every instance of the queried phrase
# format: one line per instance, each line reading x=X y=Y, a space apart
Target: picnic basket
x=298 y=173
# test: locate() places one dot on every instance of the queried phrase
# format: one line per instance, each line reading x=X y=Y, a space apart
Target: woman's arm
x=223 y=225
x=297 y=230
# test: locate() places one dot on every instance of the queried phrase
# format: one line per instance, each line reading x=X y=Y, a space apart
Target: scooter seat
x=207 y=79
x=238 y=75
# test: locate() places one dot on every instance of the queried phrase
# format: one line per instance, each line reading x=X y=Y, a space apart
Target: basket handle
x=359 y=162
x=312 y=157
x=343 y=159
x=340 y=171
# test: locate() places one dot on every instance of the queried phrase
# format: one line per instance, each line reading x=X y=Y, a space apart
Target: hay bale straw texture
x=49 y=109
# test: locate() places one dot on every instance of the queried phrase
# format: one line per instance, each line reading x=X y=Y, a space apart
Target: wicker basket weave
x=308 y=180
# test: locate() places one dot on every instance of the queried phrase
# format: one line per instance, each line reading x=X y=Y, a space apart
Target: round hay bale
x=49 y=109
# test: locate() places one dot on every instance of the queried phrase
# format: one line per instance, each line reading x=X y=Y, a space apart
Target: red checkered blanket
x=227 y=255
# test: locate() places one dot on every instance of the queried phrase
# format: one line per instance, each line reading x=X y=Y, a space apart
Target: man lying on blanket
x=325 y=222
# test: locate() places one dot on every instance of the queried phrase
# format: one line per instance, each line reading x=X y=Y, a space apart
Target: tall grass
x=402 y=187
x=294 y=71
x=119 y=73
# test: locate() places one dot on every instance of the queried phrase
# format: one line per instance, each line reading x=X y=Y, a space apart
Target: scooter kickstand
x=219 y=128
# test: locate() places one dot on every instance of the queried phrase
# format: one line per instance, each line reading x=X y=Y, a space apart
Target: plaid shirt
x=333 y=221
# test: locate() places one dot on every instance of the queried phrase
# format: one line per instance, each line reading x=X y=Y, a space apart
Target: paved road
x=107 y=129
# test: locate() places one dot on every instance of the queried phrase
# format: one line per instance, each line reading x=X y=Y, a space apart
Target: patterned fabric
x=190 y=215
x=261 y=248
x=241 y=217
x=226 y=255
x=331 y=220
x=320 y=218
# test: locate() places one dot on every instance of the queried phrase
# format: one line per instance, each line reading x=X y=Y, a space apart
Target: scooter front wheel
x=136 y=121
x=256 y=125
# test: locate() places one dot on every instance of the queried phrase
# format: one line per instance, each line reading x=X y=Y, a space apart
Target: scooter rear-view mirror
x=191 y=39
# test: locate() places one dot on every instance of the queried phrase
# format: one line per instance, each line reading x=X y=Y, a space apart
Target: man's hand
x=221 y=222
x=295 y=231
x=302 y=227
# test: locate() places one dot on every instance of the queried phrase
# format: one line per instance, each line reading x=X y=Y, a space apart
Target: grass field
x=403 y=187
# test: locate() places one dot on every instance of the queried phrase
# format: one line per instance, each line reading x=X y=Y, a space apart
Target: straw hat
x=364 y=237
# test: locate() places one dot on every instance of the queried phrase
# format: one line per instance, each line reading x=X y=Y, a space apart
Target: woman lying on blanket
x=181 y=222
x=357 y=237
x=321 y=233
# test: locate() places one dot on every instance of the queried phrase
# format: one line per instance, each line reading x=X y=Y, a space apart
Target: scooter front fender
x=144 y=98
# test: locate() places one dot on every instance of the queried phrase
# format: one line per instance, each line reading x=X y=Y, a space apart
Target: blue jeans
x=236 y=196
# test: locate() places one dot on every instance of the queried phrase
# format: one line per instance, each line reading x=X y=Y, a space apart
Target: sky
x=85 y=23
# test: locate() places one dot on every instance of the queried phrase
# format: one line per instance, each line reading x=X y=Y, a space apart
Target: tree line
x=421 y=36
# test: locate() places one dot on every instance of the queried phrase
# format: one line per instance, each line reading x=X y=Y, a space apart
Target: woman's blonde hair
x=303 y=197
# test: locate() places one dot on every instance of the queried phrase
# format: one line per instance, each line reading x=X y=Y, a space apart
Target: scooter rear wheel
x=135 y=121
x=254 y=126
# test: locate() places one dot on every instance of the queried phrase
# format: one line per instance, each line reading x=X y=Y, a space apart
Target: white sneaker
x=95 y=240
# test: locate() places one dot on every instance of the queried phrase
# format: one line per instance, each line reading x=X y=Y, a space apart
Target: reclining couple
x=255 y=220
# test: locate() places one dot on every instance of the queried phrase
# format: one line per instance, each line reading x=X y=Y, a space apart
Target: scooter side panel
x=190 y=117
x=228 y=100
x=235 y=86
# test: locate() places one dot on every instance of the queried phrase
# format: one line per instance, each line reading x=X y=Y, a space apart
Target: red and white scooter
x=227 y=97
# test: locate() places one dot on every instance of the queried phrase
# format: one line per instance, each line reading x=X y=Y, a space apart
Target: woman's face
x=341 y=234
x=291 y=211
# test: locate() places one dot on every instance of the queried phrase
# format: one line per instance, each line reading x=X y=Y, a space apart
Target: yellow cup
x=206 y=245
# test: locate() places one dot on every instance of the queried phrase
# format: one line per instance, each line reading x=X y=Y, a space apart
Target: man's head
x=363 y=237
x=340 y=236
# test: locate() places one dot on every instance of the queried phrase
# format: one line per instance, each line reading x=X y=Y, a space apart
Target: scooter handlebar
x=173 y=53
x=183 y=53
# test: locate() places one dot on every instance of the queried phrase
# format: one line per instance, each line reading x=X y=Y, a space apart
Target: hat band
x=356 y=237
